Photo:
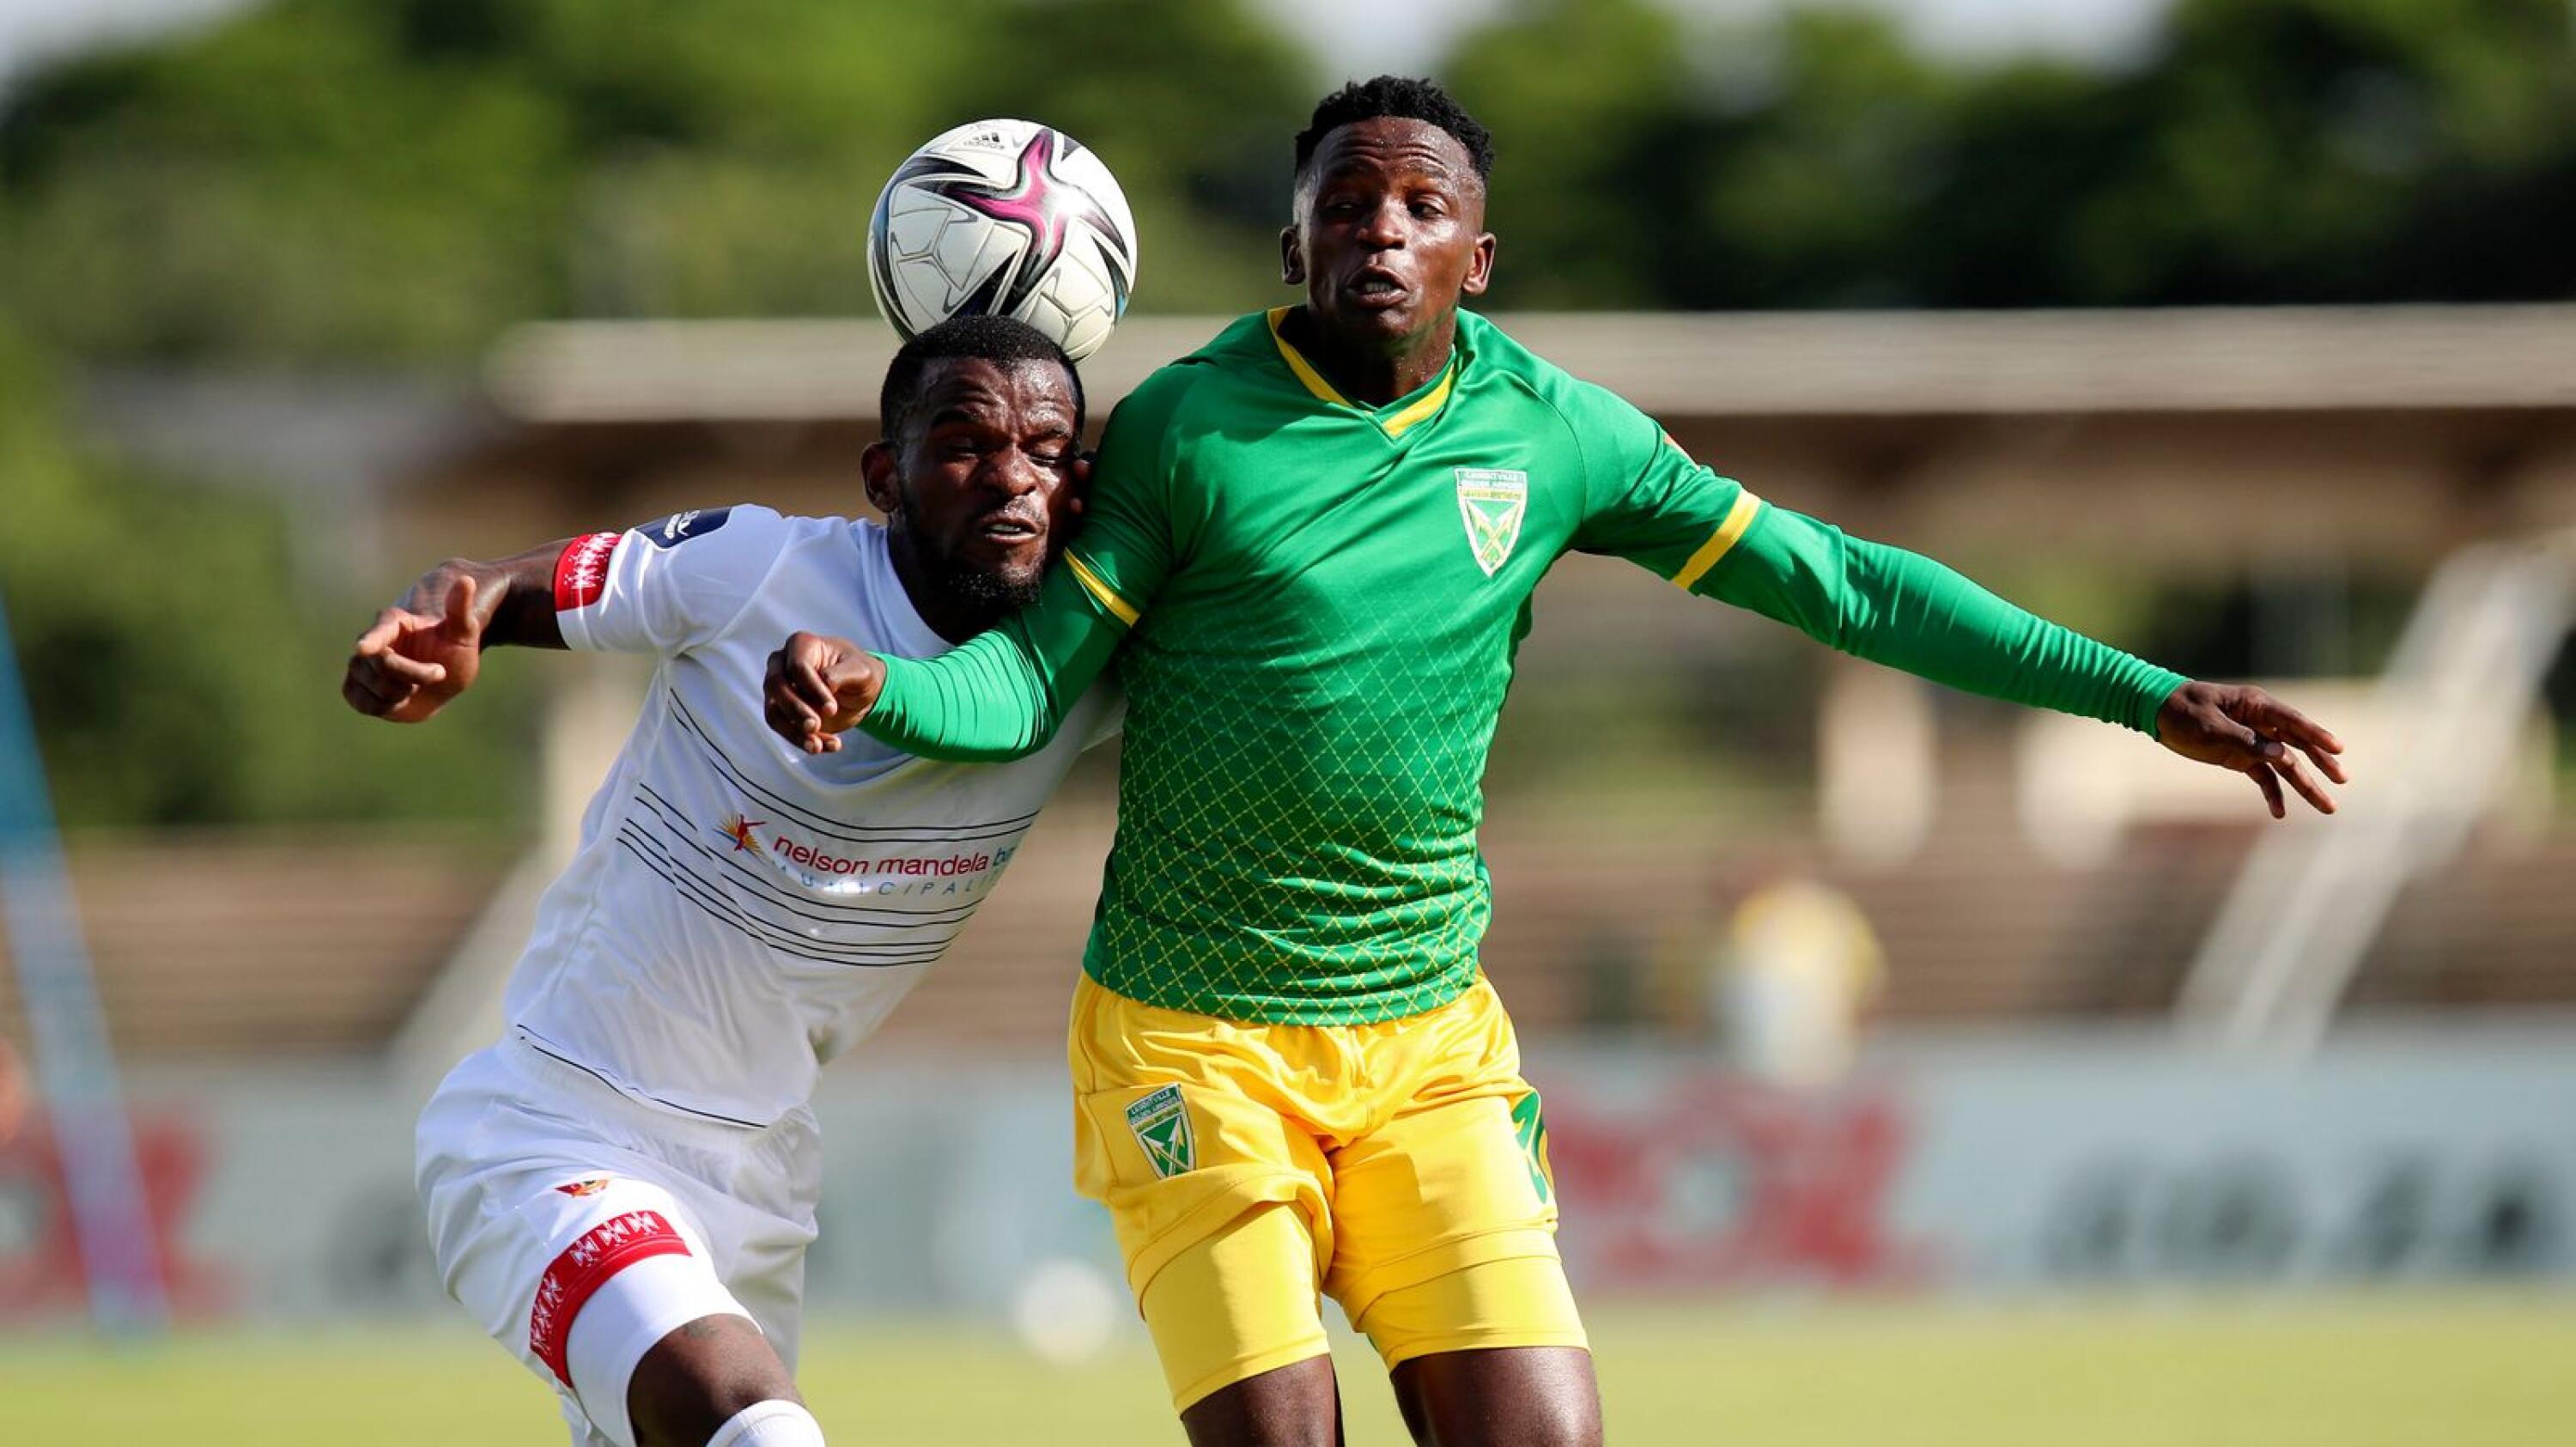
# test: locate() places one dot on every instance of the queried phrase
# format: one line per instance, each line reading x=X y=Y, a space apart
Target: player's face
x=1390 y=231
x=981 y=484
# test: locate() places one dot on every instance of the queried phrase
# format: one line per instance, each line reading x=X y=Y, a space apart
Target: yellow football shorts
x=1400 y=1167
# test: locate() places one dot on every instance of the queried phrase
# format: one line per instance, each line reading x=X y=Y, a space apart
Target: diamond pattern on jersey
x=1293 y=858
x=1312 y=691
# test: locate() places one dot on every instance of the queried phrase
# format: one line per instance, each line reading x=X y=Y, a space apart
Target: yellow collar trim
x=1422 y=410
x=1395 y=425
x=1298 y=364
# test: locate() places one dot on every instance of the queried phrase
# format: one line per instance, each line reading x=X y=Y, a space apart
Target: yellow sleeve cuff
x=1719 y=544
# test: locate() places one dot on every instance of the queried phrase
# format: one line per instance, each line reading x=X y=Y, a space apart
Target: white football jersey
x=740 y=911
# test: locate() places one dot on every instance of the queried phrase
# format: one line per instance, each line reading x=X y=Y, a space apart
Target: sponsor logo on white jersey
x=679 y=527
x=826 y=869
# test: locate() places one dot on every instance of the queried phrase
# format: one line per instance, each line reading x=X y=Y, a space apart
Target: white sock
x=774 y=1423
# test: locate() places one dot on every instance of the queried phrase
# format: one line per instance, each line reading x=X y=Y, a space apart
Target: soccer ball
x=1006 y=218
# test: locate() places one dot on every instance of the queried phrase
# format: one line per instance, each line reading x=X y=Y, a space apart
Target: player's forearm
x=978 y=703
x=515 y=595
x=1000 y=695
x=1907 y=611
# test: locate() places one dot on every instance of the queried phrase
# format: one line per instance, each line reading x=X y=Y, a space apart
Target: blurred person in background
x=1791 y=979
x=1312 y=547
x=623 y=1189
x=13 y=1094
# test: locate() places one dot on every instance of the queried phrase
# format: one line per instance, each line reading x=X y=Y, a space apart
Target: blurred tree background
x=383 y=185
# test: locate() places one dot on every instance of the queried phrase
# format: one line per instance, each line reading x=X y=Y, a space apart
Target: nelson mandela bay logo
x=826 y=869
x=1492 y=500
x=1161 y=1122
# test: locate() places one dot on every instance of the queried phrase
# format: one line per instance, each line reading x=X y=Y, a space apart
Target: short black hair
x=1408 y=98
x=999 y=340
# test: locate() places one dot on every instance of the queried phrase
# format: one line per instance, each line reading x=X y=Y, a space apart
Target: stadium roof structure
x=1760 y=364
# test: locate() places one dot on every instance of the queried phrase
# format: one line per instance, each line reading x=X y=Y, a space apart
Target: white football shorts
x=580 y=1226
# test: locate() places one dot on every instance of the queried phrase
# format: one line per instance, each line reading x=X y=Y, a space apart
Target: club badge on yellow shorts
x=1161 y=1122
x=1407 y=1151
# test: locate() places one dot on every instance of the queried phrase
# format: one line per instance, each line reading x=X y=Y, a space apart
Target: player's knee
x=1506 y=1397
x=1297 y=1405
x=1544 y=1422
x=705 y=1376
x=770 y=1423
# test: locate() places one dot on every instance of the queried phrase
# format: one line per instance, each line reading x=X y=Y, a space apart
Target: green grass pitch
x=2379 y=1371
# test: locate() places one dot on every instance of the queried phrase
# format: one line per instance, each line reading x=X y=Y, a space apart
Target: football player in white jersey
x=622 y=1189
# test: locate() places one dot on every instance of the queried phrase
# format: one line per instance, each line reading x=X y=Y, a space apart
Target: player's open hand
x=819 y=688
x=2237 y=726
x=411 y=662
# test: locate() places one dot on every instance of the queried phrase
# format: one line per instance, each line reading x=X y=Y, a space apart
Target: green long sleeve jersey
x=1319 y=604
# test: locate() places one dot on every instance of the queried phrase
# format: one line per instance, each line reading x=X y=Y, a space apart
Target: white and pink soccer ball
x=1006 y=218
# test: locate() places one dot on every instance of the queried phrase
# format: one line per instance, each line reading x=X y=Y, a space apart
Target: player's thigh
x=761 y=1210
x=1490 y=1355
x=636 y=1273
x=1457 y=1180
x=756 y=1200
x=1182 y=1124
x=1187 y=1129
x=577 y=1272
x=1236 y=1322
x=1466 y=1261
x=1447 y=1261
x=670 y=1347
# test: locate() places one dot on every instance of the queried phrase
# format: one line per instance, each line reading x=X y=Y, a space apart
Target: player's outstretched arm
x=1707 y=534
x=427 y=648
x=1905 y=610
x=2237 y=726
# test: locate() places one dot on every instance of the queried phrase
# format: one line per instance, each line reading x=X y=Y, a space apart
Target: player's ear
x=1480 y=267
x=1292 y=258
x=877 y=475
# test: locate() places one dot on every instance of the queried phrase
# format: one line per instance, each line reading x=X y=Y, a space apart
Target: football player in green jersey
x=1312 y=544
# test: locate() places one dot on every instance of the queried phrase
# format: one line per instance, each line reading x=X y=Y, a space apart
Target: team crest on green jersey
x=1161 y=1122
x=1493 y=500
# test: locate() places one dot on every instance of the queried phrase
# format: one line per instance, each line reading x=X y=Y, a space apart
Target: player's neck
x=1374 y=374
x=951 y=612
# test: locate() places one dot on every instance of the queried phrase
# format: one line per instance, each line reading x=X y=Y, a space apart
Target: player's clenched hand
x=818 y=688
x=413 y=661
x=2237 y=726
